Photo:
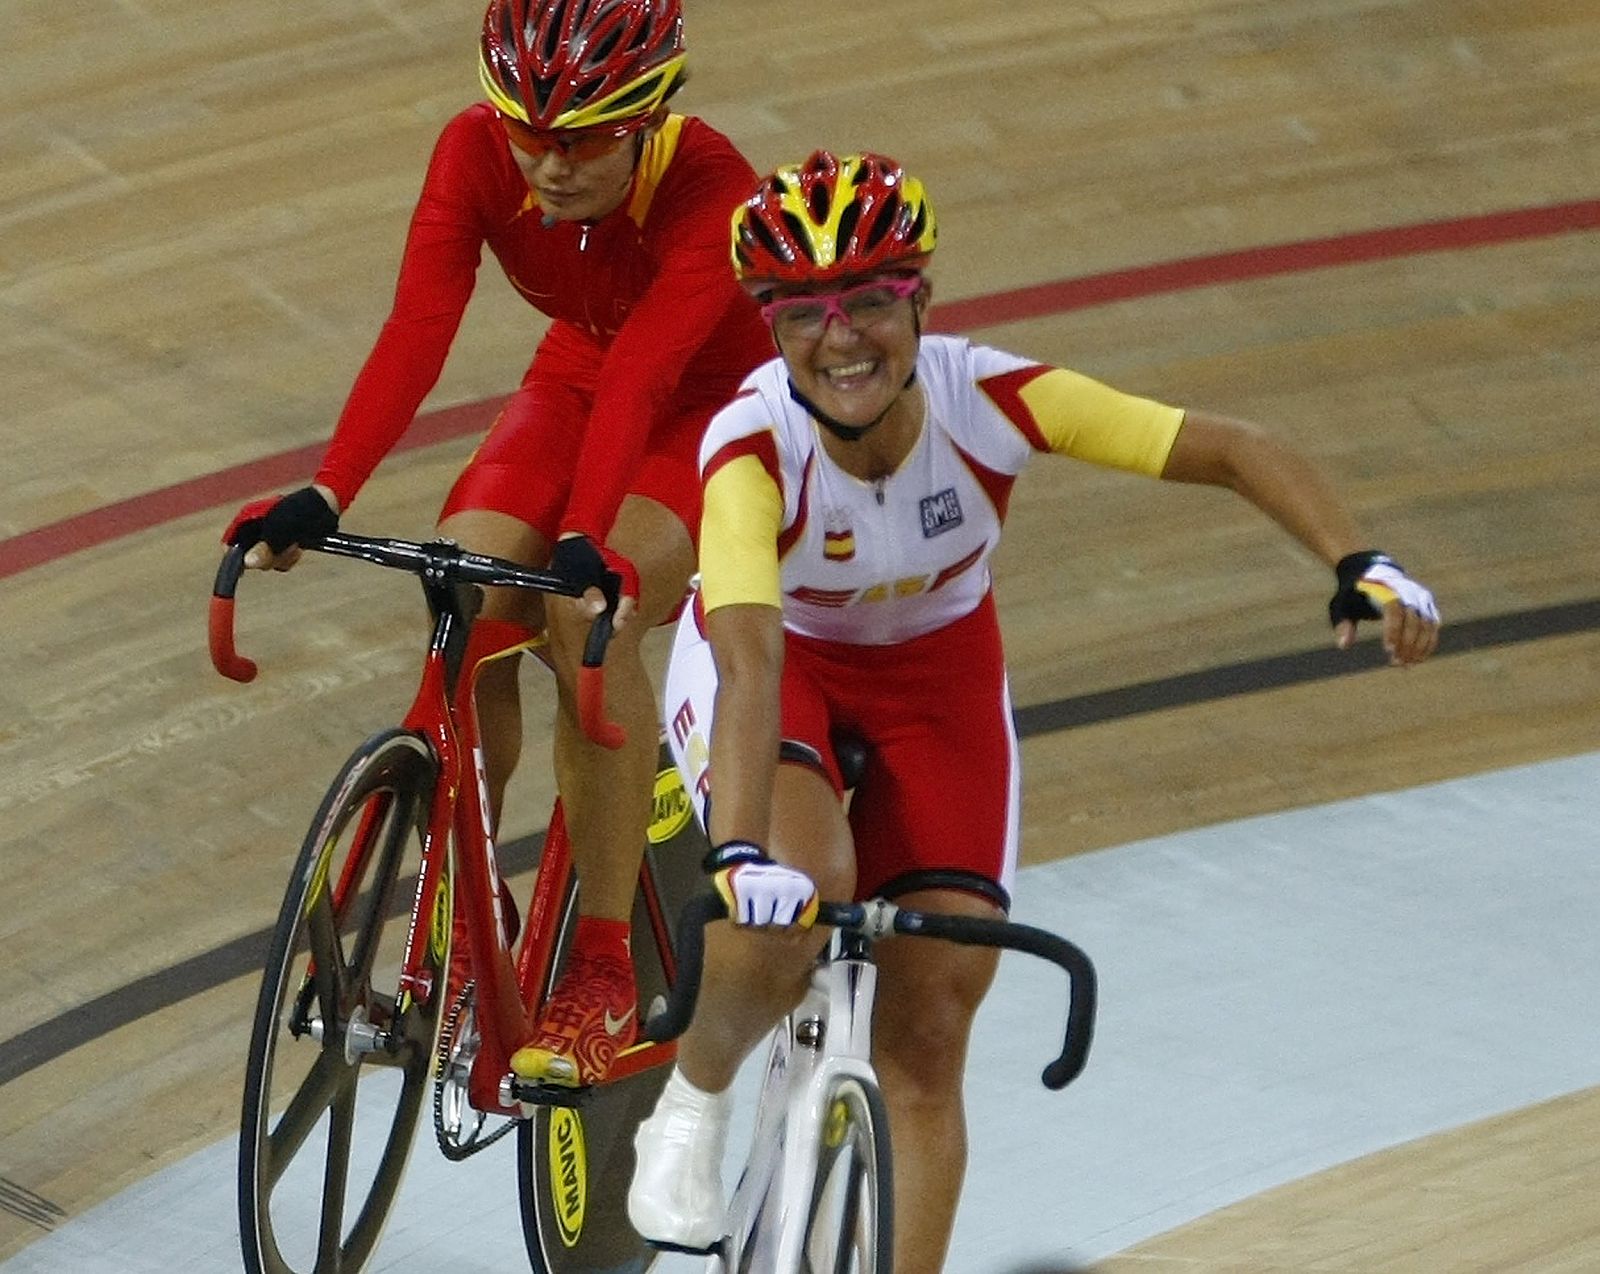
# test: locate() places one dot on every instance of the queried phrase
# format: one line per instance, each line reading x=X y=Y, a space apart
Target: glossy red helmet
x=580 y=63
x=832 y=218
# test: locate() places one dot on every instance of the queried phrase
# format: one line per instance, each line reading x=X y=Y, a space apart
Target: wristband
x=1349 y=602
x=1353 y=566
x=732 y=852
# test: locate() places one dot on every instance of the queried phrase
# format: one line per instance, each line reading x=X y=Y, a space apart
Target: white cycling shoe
x=676 y=1198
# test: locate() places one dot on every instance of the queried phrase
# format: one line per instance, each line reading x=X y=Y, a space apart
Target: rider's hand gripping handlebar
x=878 y=918
x=439 y=561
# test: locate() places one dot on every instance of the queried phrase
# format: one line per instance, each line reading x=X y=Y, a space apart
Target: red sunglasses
x=575 y=144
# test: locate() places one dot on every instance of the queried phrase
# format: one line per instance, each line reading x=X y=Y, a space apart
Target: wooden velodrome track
x=201 y=206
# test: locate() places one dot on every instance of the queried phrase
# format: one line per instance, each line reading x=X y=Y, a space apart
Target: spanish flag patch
x=839 y=546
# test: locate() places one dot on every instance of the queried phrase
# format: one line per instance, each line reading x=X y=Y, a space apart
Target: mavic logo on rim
x=569 y=1173
x=670 y=809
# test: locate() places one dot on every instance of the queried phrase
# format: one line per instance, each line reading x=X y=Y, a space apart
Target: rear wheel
x=574 y=1163
x=850 y=1220
x=340 y=1058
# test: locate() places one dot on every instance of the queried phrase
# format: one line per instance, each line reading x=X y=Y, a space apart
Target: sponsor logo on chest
x=940 y=513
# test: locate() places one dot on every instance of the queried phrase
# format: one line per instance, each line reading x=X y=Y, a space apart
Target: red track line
x=141 y=512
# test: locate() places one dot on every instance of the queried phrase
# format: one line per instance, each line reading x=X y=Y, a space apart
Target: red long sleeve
x=648 y=289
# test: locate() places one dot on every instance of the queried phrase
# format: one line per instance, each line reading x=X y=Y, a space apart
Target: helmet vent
x=597 y=55
x=542 y=89
x=766 y=241
x=847 y=228
x=554 y=28
x=798 y=232
x=891 y=218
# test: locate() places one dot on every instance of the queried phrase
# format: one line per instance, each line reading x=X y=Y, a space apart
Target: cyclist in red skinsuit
x=610 y=215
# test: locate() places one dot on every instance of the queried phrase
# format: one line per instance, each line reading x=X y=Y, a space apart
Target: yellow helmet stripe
x=642 y=95
x=505 y=105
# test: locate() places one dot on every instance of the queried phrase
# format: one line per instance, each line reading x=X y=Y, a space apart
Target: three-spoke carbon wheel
x=850 y=1220
x=340 y=1058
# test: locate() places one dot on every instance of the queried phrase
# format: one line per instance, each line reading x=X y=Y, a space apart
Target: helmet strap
x=840 y=430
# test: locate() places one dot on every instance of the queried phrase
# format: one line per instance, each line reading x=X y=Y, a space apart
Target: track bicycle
x=816 y=1195
x=357 y=1018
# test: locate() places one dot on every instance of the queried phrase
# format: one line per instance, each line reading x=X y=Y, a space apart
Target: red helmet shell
x=579 y=63
x=830 y=218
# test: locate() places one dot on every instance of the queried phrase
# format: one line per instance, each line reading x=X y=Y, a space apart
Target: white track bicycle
x=816 y=1194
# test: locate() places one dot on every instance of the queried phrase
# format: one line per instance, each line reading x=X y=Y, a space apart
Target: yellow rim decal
x=319 y=875
x=670 y=809
x=439 y=937
x=568 y=1173
x=838 y=1121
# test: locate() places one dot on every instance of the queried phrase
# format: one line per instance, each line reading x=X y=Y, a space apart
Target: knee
x=922 y=1029
x=568 y=628
x=926 y=1051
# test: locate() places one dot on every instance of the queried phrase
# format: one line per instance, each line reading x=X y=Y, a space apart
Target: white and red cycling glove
x=759 y=891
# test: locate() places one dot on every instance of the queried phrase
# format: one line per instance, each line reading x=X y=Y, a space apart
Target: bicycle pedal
x=535 y=1094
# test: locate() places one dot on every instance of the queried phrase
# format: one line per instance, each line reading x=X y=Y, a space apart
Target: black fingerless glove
x=301 y=517
x=1349 y=602
x=579 y=559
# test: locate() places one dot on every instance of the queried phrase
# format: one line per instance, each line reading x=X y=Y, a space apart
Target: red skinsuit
x=651 y=335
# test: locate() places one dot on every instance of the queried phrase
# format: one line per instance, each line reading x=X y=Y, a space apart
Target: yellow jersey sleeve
x=1073 y=415
x=739 y=528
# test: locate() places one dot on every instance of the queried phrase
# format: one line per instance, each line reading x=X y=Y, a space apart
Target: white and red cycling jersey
x=890 y=630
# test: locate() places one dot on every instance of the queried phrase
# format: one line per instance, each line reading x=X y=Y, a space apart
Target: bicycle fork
x=826 y=1038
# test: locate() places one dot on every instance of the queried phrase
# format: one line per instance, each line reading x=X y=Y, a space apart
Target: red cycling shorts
x=527 y=464
x=937 y=803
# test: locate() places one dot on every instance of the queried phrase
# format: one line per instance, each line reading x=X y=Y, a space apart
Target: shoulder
x=703 y=144
x=703 y=166
x=969 y=388
x=470 y=153
x=957 y=372
x=473 y=130
x=756 y=416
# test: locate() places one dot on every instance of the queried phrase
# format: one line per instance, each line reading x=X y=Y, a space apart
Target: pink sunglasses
x=861 y=306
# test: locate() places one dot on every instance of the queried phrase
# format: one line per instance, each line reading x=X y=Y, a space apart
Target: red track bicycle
x=356 y=1017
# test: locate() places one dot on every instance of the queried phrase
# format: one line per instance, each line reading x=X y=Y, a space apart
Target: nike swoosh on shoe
x=616 y=1025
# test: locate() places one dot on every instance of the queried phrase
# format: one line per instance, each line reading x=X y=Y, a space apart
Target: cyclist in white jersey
x=854 y=492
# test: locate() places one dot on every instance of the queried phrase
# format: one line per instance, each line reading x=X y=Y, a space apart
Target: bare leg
x=752 y=979
x=928 y=992
x=607 y=794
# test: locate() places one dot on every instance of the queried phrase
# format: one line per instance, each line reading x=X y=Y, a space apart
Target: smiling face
x=575 y=177
x=851 y=350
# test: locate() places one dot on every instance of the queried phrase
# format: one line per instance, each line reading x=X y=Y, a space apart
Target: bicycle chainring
x=457 y=1125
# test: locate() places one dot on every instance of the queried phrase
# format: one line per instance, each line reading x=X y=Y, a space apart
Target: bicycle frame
x=828 y=1039
x=444 y=714
x=794 y=1104
x=509 y=988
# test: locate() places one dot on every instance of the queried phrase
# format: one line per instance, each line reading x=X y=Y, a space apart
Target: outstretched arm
x=1284 y=485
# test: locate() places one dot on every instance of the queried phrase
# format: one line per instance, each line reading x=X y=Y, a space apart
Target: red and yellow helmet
x=831 y=218
x=580 y=63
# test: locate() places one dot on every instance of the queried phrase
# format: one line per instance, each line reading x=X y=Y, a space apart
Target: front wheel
x=340 y=1056
x=850 y=1219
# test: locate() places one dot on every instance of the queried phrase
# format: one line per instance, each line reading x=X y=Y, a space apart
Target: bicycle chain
x=451 y=1144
